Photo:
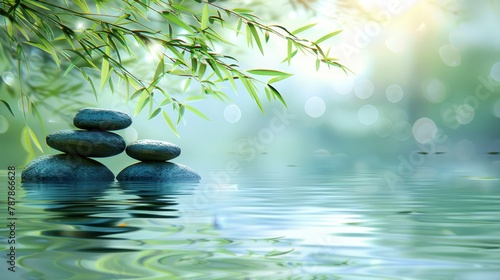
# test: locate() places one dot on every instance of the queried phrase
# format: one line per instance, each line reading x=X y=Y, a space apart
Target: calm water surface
x=293 y=223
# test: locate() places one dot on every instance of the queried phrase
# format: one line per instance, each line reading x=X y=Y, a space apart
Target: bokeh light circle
x=495 y=72
x=130 y=134
x=23 y=104
x=450 y=55
x=368 y=114
x=363 y=88
x=465 y=114
x=496 y=109
x=232 y=113
x=8 y=78
x=424 y=130
x=315 y=107
x=394 y=93
x=435 y=91
x=4 y=124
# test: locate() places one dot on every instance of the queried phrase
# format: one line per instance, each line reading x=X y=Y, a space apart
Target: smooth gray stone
x=101 y=119
x=154 y=171
x=65 y=168
x=152 y=150
x=87 y=143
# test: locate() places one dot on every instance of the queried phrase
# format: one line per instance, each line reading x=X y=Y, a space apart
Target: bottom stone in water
x=66 y=168
x=158 y=172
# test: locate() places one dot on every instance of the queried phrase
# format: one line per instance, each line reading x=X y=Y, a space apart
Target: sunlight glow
x=155 y=50
x=367 y=4
x=80 y=26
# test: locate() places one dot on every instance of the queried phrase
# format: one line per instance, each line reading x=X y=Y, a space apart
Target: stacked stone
x=154 y=163
x=92 y=140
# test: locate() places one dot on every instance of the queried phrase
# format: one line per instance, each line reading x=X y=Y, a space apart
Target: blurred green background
x=426 y=79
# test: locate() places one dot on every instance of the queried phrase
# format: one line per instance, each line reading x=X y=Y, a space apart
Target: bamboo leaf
x=277 y=94
x=83 y=5
x=194 y=98
x=278 y=78
x=327 y=36
x=89 y=80
x=242 y=11
x=269 y=94
x=304 y=28
x=256 y=37
x=186 y=84
x=196 y=111
x=8 y=106
x=204 y=17
x=170 y=123
x=215 y=67
x=201 y=70
x=230 y=78
x=177 y=21
x=104 y=72
x=268 y=72
x=141 y=102
x=160 y=69
x=34 y=139
x=290 y=57
x=181 y=113
x=155 y=113
x=27 y=142
x=289 y=51
x=238 y=27
x=251 y=89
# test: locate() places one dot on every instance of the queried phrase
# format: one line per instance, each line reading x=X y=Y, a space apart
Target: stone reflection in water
x=87 y=211
x=154 y=200
x=79 y=206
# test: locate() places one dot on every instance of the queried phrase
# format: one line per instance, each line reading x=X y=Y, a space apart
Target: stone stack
x=154 y=163
x=92 y=140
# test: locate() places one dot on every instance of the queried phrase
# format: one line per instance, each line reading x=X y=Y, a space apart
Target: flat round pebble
x=101 y=119
x=87 y=143
x=66 y=168
x=158 y=172
x=152 y=150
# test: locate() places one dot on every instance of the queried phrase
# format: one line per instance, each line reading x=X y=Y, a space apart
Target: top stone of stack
x=101 y=119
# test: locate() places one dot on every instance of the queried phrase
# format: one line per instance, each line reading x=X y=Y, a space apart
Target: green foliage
x=113 y=36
